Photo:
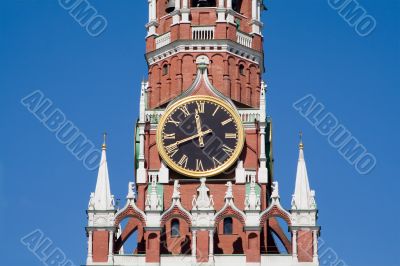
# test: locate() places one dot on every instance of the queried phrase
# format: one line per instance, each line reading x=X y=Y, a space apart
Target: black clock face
x=200 y=137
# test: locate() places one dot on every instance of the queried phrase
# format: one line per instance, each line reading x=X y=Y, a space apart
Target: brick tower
x=204 y=191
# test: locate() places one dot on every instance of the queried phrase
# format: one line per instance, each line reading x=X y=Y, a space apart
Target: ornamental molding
x=204 y=46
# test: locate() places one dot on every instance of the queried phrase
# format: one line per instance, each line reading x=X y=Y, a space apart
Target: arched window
x=228 y=226
x=165 y=69
x=175 y=232
x=241 y=69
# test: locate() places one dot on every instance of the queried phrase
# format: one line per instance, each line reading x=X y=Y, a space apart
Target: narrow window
x=175 y=228
x=165 y=69
x=241 y=69
x=203 y=3
x=236 y=5
x=228 y=226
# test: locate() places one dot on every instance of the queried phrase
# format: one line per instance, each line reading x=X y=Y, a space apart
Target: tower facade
x=204 y=190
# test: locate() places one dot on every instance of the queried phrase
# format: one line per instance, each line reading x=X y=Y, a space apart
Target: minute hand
x=200 y=134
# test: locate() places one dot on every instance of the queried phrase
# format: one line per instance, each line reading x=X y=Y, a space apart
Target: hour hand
x=198 y=125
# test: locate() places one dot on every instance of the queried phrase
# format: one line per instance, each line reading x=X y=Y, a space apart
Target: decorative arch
x=175 y=212
x=275 y=211
x=230 y=212
x=129 y=212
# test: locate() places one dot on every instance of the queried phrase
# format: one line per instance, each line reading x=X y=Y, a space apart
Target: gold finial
x=104 y=141
x=301 y=145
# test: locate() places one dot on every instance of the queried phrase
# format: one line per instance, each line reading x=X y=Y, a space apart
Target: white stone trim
x=226 y=46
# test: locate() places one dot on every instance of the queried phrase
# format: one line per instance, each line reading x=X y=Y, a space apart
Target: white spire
x=103 y=200
x=303 y=197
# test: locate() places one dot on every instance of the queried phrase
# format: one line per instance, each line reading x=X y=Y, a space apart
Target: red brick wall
x=202 y=246
x=305 y=246
x=153 y=246
x=100 y=246
x=253 y=246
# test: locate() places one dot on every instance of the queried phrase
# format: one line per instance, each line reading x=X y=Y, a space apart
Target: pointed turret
x=102 y=198
x=304 y=215
x=303 y=197
x=101 y=216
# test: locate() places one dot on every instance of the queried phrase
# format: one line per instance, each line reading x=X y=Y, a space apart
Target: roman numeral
x=169 y=136
x=216 y=110
x=226 y=121
x=226 y=149
x=216 y=162
x=183 y=161
x=230 y=135
x=170 y=120
x=199 y=165
x=185 y=110
x=200 y=107
x=171 y=149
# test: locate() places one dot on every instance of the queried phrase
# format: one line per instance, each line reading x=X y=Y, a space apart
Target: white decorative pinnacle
x=303 y=197
x=176 y=194
x=153 y=200
x=229 y=192
x=203 y=201
x=102 y=198
x=275 y=191
x=131 y=191
x=252 y=201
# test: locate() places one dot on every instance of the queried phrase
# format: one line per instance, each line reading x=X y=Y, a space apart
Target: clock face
x=200 y=136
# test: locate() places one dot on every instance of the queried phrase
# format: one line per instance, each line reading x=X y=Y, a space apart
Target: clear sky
x=95 y=81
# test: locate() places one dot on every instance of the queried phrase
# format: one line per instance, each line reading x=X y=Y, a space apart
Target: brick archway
x=229 y=212
x=275 y=212
x=129 y=212
x=175 y=212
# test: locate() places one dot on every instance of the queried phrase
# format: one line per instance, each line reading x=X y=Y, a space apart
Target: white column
x=141 y=174
x=194 y=244
x=153 y=10
x=221 y=11
x=151 y=27
x=229 y=4
x=185 y=12
x=294 y=244
x=90 y=247
x=110 y=246
x=211 y=245
x=254 y=9
x=150 y=9
x=262 y=170
x=176 y=17
x=141 y=145
x=315 y=246
x=262 y=143
x=229 y=18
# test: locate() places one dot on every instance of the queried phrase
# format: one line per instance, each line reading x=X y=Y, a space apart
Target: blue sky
x=95 y=81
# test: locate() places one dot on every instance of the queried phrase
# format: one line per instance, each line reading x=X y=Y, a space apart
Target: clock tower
x=204 y=190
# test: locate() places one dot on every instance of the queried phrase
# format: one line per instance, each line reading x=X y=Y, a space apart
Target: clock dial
x=200 y=136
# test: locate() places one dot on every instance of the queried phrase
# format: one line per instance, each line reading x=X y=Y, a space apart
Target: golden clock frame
x=200 y=174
